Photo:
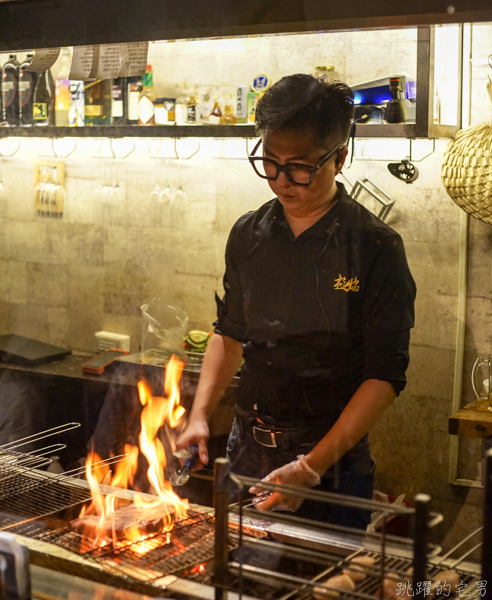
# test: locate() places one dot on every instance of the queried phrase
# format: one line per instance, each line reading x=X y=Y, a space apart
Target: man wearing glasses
x=319 y=302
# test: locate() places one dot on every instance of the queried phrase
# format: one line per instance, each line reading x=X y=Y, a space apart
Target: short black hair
x=301 y=100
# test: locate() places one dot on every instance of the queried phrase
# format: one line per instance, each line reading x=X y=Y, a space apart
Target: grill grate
x=257 y=582
x=189 y=543
x=42 y=498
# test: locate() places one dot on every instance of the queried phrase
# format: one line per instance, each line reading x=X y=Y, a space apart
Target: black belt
x=275 y=437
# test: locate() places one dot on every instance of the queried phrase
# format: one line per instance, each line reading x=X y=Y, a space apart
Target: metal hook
x=111 y=147
x=67 y=154
x=185 y=157
x=409 y=157
x=4 y=155
x=100 y=154
x=122 y=156
x=222 y=157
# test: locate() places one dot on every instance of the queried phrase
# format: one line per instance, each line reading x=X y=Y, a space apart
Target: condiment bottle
x=203 y=109
x=228 y=118
x=191 y=107
x=146 y=108
x=216 y=113
x=181 y=107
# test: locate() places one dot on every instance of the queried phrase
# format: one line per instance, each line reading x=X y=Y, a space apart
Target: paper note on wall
x=106 y=62
x=81 y=62
x=43 y=59
x=133 y=59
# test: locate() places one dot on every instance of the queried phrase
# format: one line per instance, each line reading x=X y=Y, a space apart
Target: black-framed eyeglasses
x=296 y=173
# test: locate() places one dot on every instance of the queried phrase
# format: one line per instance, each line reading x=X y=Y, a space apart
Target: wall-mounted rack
x=119 y=131
x=424 y=127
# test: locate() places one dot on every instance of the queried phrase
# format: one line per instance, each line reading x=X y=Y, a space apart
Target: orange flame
x=156 y=412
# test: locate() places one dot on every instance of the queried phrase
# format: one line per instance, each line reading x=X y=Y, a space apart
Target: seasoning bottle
x=191 y=107
x=146 y=108
x=228 y=118
x=133 y=89
x=242 y=103
x=203 y=109
x=216 y=113
x=181 y=107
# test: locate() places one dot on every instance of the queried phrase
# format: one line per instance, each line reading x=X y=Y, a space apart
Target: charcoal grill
x=235 y=548
x=37 y=506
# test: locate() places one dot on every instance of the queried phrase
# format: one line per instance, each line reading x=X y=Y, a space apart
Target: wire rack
x=272 y=571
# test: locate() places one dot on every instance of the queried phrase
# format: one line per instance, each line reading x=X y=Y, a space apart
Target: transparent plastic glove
x=297 y=473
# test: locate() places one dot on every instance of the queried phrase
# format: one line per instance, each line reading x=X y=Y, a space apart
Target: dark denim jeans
x=352 y=475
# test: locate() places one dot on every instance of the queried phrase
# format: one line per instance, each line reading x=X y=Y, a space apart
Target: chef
x=319 y=302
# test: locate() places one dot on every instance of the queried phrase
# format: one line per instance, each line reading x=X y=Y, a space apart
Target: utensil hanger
x=54 y=153
x=158 y=154
x=409 y=157
x=14 y=151
x=222 y=157
x=99 y=153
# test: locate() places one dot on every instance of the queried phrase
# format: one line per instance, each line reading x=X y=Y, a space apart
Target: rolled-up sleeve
x=230 y=310
x=388 y=314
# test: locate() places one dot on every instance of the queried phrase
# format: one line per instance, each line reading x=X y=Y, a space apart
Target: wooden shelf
x=473 y=420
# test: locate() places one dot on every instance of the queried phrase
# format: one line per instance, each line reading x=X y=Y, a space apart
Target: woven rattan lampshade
x=466 y=170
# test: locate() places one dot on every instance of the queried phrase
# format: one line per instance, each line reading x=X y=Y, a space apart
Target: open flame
x=169 y=506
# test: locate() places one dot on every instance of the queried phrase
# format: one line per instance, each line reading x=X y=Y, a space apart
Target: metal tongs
x=182 y=475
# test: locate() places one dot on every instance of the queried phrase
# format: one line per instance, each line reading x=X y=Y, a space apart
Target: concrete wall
x=60 y=281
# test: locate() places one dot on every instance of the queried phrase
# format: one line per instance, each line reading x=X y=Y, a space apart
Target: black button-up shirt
x=318 y=314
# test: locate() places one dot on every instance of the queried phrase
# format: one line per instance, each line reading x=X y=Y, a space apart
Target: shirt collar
x=318 y=229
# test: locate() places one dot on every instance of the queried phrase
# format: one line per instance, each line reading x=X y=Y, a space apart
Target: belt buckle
x=272 y=435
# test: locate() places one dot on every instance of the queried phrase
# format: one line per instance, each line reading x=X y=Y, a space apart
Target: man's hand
x=297 y=473
x=196 y=433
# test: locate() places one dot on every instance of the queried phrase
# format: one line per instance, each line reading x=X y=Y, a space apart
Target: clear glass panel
x=446 y=74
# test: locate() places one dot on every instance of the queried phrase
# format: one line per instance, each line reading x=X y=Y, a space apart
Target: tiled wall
x=60 y=281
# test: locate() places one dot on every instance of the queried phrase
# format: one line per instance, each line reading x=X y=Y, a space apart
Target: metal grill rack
x=190 y=542
x=268 y=570
x=39 y=505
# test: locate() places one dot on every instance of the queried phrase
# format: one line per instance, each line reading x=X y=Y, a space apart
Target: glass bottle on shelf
x=62 y=90
x=118 y=103
x=43 y=106
x=27 y=84
x=133 y=89
x=228 y=118
x=191 y=107
x=76 y=114
x=146 y=108
x=203 y=109
x=10 y=94
x=98 y=98
x=181 y=107
x=216 y=113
